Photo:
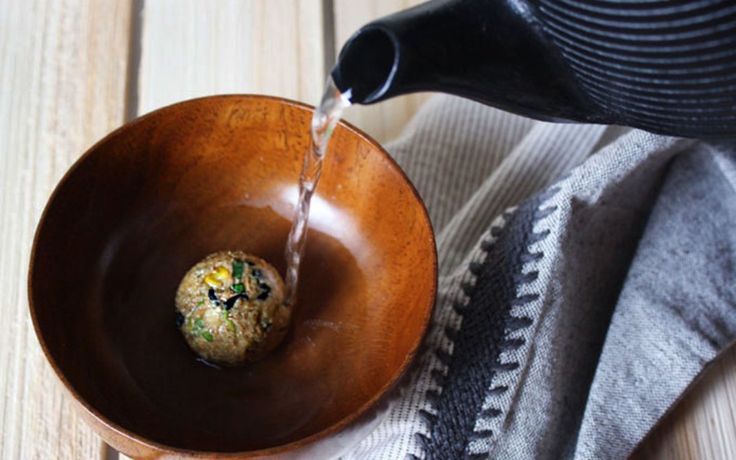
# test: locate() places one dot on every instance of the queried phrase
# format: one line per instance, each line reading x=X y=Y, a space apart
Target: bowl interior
x=218 y=173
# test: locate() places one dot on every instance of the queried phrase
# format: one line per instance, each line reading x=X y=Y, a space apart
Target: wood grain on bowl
x=155 y=196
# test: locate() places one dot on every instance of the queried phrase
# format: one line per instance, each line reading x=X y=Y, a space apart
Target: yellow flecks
x=222 y=273
x=217 y=278
x=211 y=281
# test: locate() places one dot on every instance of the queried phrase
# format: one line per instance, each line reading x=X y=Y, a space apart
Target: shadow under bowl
x=160 y=193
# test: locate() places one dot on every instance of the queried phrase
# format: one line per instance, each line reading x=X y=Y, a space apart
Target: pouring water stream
x=325 y=118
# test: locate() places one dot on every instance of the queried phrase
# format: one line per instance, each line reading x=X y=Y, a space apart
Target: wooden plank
x=703 y=424
x=386 y=120
x=193 y=48
x=62 y=87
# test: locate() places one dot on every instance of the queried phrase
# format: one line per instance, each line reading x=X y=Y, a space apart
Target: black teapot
x=666 y=66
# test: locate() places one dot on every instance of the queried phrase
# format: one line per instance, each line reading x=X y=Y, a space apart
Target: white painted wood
x=703 y=424
x=62 y=86
x=196 y=48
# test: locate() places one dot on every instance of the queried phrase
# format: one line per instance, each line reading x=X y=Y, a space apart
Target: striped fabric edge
x=440 y=339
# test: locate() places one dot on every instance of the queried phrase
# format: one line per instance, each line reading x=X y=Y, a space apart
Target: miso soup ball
x=230 y=308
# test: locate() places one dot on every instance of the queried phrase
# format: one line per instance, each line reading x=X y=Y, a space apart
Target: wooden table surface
x=72 y=70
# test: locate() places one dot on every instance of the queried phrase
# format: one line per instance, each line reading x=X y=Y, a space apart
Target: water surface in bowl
x=224 y=409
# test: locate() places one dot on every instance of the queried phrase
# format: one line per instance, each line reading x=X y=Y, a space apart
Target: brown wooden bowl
x=154 y=197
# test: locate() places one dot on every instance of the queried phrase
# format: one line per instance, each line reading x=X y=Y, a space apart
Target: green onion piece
x=197 y=327
x=200 y=303
x=200 y=329
x=237 y=288
x=230 y=324
x=237 y=269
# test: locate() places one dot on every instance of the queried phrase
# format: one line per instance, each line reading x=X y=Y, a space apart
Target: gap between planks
x=62 y=89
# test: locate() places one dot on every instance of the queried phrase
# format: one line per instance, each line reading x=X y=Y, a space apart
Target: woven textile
x=586 y=278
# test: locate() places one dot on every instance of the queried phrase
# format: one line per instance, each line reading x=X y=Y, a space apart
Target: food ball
x=230 y=308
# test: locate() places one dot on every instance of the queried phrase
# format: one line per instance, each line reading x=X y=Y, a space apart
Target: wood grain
x=63 y=86
x=193 y=48
x=386 y=120
x=703 y=424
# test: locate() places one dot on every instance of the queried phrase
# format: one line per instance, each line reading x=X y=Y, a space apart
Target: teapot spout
x=492 y=51
x=367 y=65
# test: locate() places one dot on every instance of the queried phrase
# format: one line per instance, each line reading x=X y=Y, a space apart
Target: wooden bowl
x=154 y=197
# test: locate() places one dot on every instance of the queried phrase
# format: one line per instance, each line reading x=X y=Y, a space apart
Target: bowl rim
x=306 y=441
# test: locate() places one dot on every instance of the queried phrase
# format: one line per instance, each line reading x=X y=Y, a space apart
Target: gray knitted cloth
x=586 y=278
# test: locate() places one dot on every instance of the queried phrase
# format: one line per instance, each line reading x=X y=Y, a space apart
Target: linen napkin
x=586 y=279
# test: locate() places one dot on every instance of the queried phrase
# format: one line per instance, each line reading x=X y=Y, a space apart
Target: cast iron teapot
x=666 y=66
